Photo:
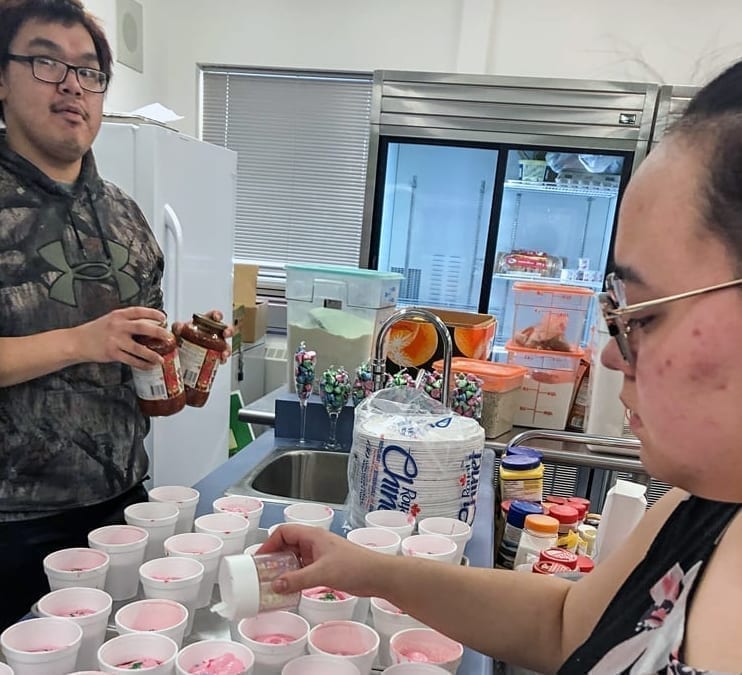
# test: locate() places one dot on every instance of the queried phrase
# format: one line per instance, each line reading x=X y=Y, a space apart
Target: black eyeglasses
x=615 y=310
x=54 y=71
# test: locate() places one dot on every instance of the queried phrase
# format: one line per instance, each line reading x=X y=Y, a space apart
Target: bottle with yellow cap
x=539 y=533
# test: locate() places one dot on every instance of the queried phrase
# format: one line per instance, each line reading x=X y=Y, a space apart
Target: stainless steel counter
x=575 y=453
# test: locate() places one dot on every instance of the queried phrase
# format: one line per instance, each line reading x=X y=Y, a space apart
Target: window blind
x=302 y=144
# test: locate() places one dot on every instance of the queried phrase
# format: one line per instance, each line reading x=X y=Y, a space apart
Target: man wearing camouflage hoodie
x=80 y=274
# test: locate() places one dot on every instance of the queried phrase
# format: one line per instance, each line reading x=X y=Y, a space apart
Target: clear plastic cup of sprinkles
x=245 y=584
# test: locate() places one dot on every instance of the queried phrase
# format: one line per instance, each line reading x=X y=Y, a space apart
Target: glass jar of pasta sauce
x=201 y=346
x=160 y=390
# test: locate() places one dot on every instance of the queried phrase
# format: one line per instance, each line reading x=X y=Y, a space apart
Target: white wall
x=130 y=89
x=675 y=41
x=667 y=41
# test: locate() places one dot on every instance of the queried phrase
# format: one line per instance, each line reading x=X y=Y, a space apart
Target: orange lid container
x=544 y=289
x=497 y=377
x=542 y=524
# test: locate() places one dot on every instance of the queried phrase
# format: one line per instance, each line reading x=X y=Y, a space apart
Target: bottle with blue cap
x=513 y=530
x=522 y=477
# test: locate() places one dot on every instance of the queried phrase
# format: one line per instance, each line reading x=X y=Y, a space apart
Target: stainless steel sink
x=297 y=474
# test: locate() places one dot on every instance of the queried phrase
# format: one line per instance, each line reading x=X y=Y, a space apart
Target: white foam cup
x=378 y=539
x=125 y=545
x=275 y=638
x=132 y=647
x=89 y=608
x=197 y=653
x=247 y=507
x=317 y=664
x=185 y=498
x=229 y=527
x=79 y=672
x=456 y=530
x=80 y=567
x=396 y=521
x=348 y=640
x=387 y=620
x=316 y=608
x=207 y=549
x=308 y=513
x=166 y=617
x=45 y=646
x=158 y=518
x=173 y=578
x=431 y=546
x=252 y=549
x=414 y=669
x=5 y=669
x=426 y=645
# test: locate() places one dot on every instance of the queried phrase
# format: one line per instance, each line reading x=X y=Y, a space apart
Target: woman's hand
x=327 y=560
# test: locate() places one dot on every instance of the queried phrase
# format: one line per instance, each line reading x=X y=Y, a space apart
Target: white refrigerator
x=186 y=189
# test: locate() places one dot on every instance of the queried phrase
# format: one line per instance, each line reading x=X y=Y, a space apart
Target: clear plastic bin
x=501 y=384
x=337 y=311
x=545 y=396
x=549 y=317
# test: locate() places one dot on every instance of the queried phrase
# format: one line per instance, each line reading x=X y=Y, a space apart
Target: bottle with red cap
x=559 y=556
x=581 y=504
x=568 y=523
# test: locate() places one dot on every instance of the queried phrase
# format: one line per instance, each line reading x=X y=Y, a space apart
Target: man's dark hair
x=15 y=13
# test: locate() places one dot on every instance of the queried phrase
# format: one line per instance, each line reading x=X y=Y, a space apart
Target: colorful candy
x=363 y=385
x=400 y=379
x=466 y=396
x=334 y=388
x=432 y=384
x=304 y=366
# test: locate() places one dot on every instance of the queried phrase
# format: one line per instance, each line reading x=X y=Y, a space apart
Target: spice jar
x=245 y=584
x=201 y=346
x=160 y=389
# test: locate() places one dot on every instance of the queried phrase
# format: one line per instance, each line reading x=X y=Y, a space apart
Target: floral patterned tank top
x=642 y=630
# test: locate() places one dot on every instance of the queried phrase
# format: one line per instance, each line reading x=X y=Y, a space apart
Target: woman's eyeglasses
x=615 y=310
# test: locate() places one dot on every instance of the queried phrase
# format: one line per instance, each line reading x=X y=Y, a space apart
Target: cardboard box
x=415 y=344
x=249 y=315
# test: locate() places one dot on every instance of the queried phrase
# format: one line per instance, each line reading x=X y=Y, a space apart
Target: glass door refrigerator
x=476 y=183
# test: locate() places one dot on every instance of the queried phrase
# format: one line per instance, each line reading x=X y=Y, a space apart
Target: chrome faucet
x=379 y=365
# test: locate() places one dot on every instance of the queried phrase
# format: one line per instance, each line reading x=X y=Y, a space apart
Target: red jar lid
x=585 y=564
x=555 y=499
x=548 y=567
x=579 y=500
x=560 y=556
x=564 y=514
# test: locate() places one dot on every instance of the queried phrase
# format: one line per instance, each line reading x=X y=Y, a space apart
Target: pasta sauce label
x=199 y=365
x=159 y=383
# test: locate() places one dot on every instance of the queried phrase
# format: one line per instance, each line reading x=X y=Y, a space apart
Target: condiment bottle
x=521 y=477
x=559 y=555
x=539 y=533
x=160 y=389
x=201 y=346
x=568 y=522
x=581 y=504
x=511 y=535
x=548 y=567
x=245 y=584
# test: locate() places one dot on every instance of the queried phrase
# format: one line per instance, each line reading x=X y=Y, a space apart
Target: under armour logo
x=63 y=288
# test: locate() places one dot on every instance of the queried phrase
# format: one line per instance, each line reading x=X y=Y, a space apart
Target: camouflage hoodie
x=68 y=255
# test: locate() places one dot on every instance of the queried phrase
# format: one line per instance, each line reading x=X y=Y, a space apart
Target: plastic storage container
x=549 y=317
x=546 y=393
x=337 y=311
x=500 y=386
x=245 y=584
